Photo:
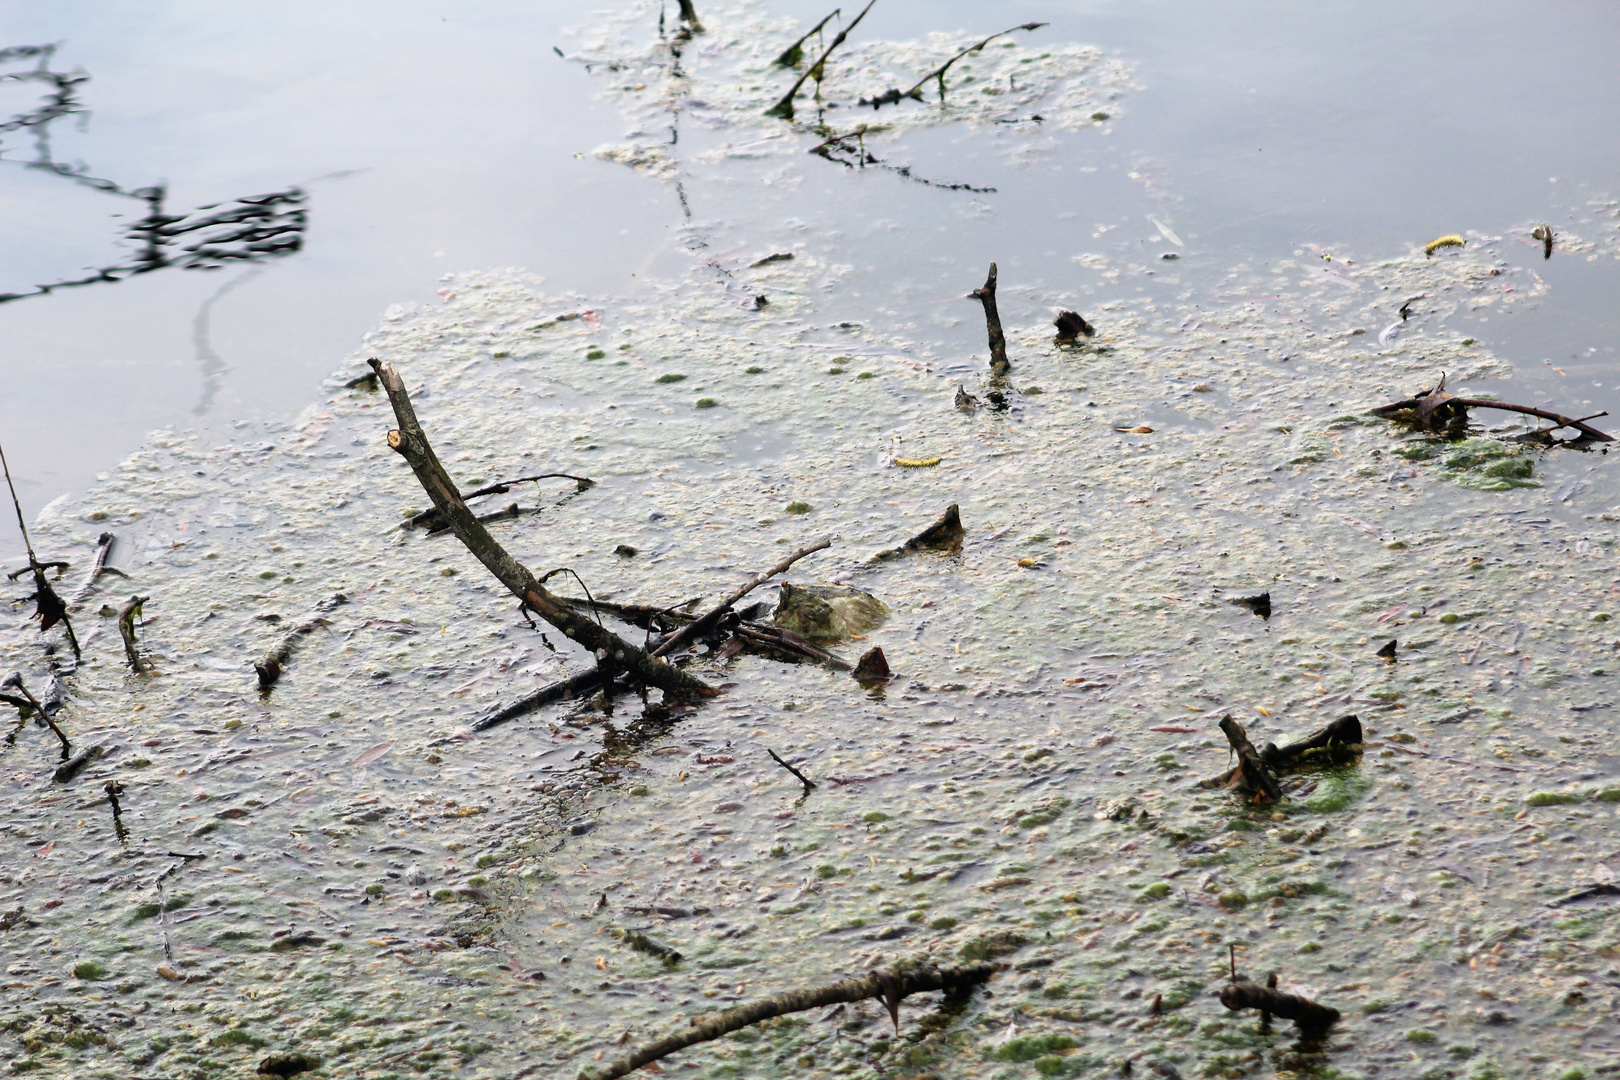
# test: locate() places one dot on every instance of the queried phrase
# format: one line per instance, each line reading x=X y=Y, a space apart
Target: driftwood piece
x=1313 y=1020
x=1438 y=408
x=126 y=628
x=986 y=295
x=1342 y=734
x=945 y=534
x=431 y=520
x=611 y=651
x=809 y=784
x=784 y=108
x=703 y=623
x=1251 y=776
x=791 y=55
x=890 y=987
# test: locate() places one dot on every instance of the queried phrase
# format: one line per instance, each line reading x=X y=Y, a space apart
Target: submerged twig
x=809 y=784
x=612 y=651
x=704 y=622
x=794 y=53
x=571 y=687
x=784 y=108
x=27 y=704
x=77 y=764
x=888 y=986
x=986 y=295
x=938 y=74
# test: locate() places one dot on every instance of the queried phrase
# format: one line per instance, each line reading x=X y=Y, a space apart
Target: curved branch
x=888 y=986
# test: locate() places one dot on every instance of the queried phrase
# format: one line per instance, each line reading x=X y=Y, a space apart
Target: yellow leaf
x=917 y=463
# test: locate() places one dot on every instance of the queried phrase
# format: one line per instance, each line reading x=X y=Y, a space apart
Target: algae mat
x=340 y=869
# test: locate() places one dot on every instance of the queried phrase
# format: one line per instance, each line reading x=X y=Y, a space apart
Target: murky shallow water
x=1009 y=780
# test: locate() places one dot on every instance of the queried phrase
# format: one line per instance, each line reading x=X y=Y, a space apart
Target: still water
x=561 y=225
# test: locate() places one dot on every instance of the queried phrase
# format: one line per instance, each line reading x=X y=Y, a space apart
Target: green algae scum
x=338 y=877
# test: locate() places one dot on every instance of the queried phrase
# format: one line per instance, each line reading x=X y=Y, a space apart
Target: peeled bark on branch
x=612 y=652
x=889 y=987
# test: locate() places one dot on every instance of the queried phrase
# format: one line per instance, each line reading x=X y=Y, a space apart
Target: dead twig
x=48 y=606
x=571 y=687
x=795 y=52
x=703 y=623
x=890 y=987
x=938 y=74
x=784 y=108
x=104 y=546
x=986 y=294
x=613 y=652
x=433 y=521
x=126 y=627
x=29 y=703
x=809 y=784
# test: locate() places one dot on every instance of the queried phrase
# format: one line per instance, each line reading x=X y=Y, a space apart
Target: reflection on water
x=245 y=230
x=213 y=368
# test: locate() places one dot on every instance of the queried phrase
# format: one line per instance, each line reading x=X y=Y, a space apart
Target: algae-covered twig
x=986 y=295
x=126 y=628
x=275 y=661
x=48 y=606
x=409 y=441
x=707 y=620
x=887 y=986
x=784 y=108
x=76 y=764
x=1437 y=408
x=433 y=521
x=795 y=52
x=809 y=784
x=938 y=74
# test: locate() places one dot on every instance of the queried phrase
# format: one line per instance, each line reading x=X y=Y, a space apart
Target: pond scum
x=336 y=878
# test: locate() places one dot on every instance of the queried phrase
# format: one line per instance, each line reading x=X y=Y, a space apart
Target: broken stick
x=1342 y=734
x=808 y=783
x=795 y=52
x=986 y=294
x=612 y=652
x=431 y=520
x=704 y=622
x=784 y=108
x=104 y=546
x=1251 y=777
x=890 y=987
x=48 y=606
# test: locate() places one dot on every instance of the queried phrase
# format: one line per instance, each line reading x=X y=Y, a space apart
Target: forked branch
x=612 y=652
